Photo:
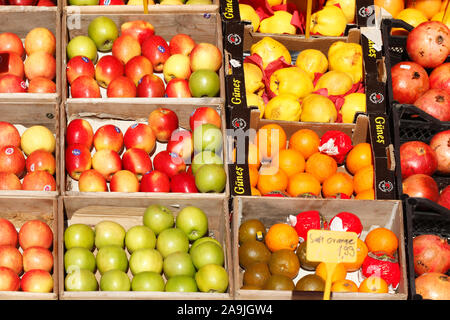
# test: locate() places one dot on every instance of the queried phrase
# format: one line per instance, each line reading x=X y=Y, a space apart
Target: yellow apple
x=37 y=137
x=257 y=101
x=284 y=107
x=279 y=23
x=353 y=103
x=336 y=82
x=318 y=108
x=348 y=7
x=270 y=50
x=312 y=61
x=247 y=13
x=253 y=78
x=330 y=21
x=291 y=80
x=346 y=57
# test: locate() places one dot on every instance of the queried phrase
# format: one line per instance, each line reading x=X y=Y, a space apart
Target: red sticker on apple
x=47 y=188
x=9 y=151
x=4 y=62
x=32 y=167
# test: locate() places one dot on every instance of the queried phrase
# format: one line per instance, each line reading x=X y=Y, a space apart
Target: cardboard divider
x=128 y=211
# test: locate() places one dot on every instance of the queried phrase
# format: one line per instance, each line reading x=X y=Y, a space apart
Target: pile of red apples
x=28 y=66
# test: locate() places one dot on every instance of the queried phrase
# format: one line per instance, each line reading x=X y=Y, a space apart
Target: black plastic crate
x=422 y=216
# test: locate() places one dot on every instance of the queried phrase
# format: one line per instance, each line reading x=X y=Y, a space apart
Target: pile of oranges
x=298 y=168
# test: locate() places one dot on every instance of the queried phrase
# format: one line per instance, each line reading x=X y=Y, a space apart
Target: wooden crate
x=128 y=212
x=201 y=26
x=25 y=115
x=21 y=20
x=123 y=115
x=19 y=210
x=388 y=214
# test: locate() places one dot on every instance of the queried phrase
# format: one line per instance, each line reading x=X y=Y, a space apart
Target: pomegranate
x=440 y=77
x=444 y=198
x=409 y=81
x=421 y=186
x=434 y=286
x=435 y=102
x=431 y=254
x=440 y=143
x=428 y=44
x=417 y=157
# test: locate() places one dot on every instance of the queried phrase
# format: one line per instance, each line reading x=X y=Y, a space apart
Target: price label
x=331 y=246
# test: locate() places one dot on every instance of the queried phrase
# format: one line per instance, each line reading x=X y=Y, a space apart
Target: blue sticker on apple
x=85 y=59
x=134 y=125
x=117 y=129
x=76 y=152
x=161 y=49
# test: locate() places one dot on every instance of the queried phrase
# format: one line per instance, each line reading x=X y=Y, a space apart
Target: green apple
x=147 y=281
x=84 y=2
x=207 y=253
x=80 y=280
x=181 y=284
x=193 y=221
x=172 y=240
x=140 y=237
x=178 y=264
x=211 y=178
x=199 y=2
x=204 y=157
x=110 y=258
x=103 y=31
x=115 y=280
x=82 y=46
x=109 y=233
x=212 y=278
x=79 y=235
x=79 y=258
x=207 y=137
x=204 y=83
x=158 y=218
x=146 y=260
x=202 y=240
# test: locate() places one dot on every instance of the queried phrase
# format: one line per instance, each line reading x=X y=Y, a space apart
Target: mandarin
x=303 y=184
x=340 y=182
x=306 y=141
x=321 y=166
x=382 y=239
x=270 y=138
x=281 y=236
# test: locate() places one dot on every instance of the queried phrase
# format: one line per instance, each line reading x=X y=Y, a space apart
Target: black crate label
x=229 y=10
x=235 y=89
x=372 y=50
x=376 y=98
x=239 y=180
x=384 y=180
x=379 y=134
x=234 y=47
x=365 y=13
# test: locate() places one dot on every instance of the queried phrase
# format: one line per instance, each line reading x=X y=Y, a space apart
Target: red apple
x=155 y=181
x=37 y=281
x=41 y=160
x=204 y=115
x=45 y=3
x=40 y=39
x=9 y=135
x=12 y=160
x=10 y=257
x=40 y=64
x=124 y=181
x=181 y=43
x=41 y=85
x=137 y=161
x=8 y=233
x=140 y=135
x=39 y=181
x=15 y=65
x=110 y=2
x=77 y=160
x=9 y=281
x=80 y=131
x=150 y=86
x=156 y=49
x=79 y=66
x=9 y=181
x=121 y=87
x=181 y=143
x=108 y=136
x=178 y=88
x=37 y=258
x=107 y=69
x=205 y=56
x=126 y=47
x=85 y=87
x=92 y=181
x=12 y=84
x=35 y=233
x=138 y=67
x=138 y=29
x=10 y=42
x=163 y=122
x=183 y=182
x=107 y=162
x=169 y=163
x=22 y=2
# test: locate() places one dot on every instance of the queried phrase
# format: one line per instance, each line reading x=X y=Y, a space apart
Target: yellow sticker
x=331 y=246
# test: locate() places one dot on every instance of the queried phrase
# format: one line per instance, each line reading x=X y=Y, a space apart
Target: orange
x=428 y=7
x=359 y=157
x=339 y=272
x=344 y=285
x=281 y=236
x=254 y=175
x=321 y=166
x=382 y=239
x=366 y=195
x=305 y=141
x=340 y=182
x=361 y=253
x=291 y=161
x=373 y=284
x=255 y=192
x=271 y=179
x=270 y=138
x=391 y=6
x=303 y=184
x=363 y=179
x=253 y=157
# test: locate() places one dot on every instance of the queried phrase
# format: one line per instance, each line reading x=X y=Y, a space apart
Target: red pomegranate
x=409 y=81
x=417 y=157
x=440 y=143
x=444 y=198
x=435 y=102
x=431 y=254
x=428 y=44
x=440 y=77
x=434 y=286
x=421 y=186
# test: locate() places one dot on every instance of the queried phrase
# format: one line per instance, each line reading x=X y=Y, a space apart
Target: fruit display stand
x=269 y=211
x=31 y=208
x=129 y=212
x=25 y=115
x=21 y=8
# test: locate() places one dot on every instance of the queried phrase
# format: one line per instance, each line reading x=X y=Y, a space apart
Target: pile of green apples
x=166 y=253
